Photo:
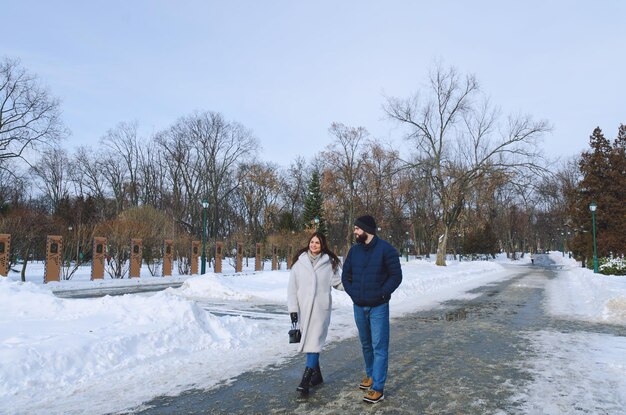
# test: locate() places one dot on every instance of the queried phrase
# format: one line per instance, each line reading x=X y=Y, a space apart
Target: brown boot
x=366 y=383
x=373 y=396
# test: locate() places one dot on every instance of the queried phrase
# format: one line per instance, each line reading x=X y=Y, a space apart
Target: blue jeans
x=373 y=325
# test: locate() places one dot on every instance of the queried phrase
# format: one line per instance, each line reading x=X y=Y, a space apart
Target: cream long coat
x=309 y=296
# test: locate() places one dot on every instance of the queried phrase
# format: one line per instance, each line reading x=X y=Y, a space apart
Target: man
x=371 y=273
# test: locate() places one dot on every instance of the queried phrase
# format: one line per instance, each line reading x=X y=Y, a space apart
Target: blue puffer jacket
x=371 y=272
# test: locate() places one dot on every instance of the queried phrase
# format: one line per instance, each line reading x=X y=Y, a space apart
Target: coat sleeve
x=394 y=271
x=335 y=280
x=346 y=274
x=292 y=293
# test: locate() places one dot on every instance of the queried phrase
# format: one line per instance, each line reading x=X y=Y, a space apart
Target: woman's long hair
x=334 y=260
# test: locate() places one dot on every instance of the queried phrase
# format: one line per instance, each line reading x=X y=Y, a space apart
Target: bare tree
x=116 y=177
x=153 y=189
x=89 y=177
x=204 y=150
x=344 y=158
x=458 y=140
x=421 y=210
x=183 y=170
x=384 y=190
x=76 y=241
x=294 y=187
x=223 y=145
x=258 y=193
x=122 y=143
x=54 y=176
x=28 y=228
x=29 y=115
x=13 y=186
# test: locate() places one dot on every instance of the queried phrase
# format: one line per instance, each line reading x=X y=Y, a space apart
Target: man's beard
x=361 y=238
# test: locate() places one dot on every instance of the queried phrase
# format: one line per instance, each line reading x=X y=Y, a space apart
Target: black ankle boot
x=304 y=385
x=317 y=378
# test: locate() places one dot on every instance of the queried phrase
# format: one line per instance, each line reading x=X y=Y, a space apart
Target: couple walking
x=370 y=274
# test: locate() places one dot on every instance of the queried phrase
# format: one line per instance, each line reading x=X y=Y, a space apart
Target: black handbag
x=295 y=334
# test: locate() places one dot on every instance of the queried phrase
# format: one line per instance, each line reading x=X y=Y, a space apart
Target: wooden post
x=136 y=252
x=239 y=263
x=289 y=256
x=258 y=266
x=218 y=256
x=195 y=253
x=99 y=254
x=5 y=250
x=54 y=247
x=168 y=256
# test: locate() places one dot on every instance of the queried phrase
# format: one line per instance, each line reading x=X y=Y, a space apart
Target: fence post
x=218 y=257
x=54 y=247
x=195 y=253
x=5 y=249
x=136 y=251
x=168 y=257
x=98 y=256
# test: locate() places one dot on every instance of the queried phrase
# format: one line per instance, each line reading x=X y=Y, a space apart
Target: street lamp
x=406 y=246
x=317 y=221
x=205 y=205
x=592 y=208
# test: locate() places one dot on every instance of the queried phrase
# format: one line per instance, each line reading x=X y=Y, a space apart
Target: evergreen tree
x=603 y=171
x=313 y=205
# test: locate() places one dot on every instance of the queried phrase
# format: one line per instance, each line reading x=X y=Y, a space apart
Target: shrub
x=612 y=265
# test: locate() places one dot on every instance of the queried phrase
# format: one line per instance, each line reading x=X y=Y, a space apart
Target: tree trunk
x=441 y=248
x=24 y=255
x=23 y=273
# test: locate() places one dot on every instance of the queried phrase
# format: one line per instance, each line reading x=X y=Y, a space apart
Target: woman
x=315 y=269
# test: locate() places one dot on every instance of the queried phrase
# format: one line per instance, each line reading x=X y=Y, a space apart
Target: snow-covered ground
x=111 y=353
x=581 y=371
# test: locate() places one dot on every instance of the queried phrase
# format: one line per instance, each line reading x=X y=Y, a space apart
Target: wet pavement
x=464 y=358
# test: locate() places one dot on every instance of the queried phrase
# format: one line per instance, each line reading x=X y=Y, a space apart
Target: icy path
x=498 y=353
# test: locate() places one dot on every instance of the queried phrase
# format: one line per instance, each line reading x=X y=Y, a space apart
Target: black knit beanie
x=367 y=223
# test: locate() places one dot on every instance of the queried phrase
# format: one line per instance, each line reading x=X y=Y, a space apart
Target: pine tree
x=313 y=205
x=603 y=171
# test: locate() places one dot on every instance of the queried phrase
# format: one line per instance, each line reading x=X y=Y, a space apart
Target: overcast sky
x=288 y=69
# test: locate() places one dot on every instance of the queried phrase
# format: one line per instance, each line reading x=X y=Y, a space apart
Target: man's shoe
x=366 y=383
x=373 y=396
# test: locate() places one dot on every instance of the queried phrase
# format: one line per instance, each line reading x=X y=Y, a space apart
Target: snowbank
x=583 y=295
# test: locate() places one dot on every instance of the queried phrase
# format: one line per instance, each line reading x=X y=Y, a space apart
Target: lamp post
x=205 y=205
x=406 y=245
x=592 y=208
